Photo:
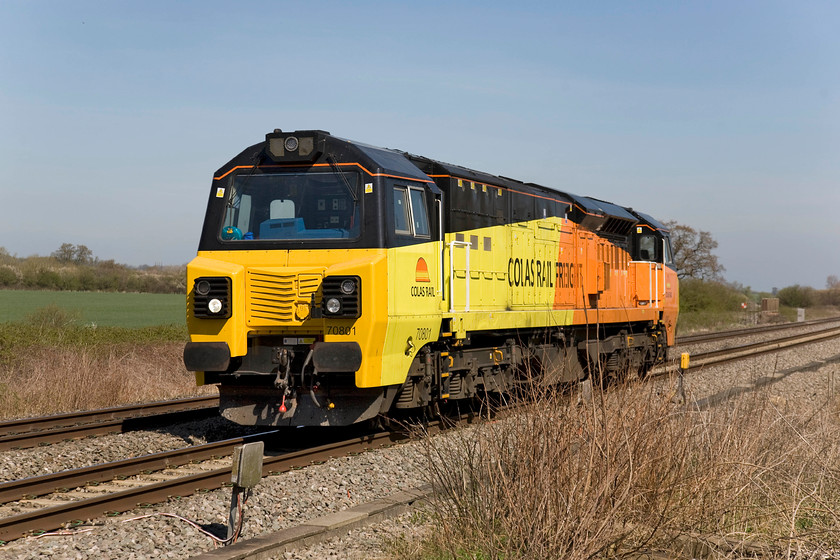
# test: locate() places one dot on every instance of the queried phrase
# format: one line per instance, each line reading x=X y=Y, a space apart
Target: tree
x=77 y=254
x=65 y=253
x=832 y=290
x=693 y=253
x=83 y=255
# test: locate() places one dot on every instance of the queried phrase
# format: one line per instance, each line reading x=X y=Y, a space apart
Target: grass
x=50 y=380
x=701 y=321
x=50 y=362
x=110 y=309
x=629 y=472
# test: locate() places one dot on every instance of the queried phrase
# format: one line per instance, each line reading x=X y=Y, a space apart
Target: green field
x=107 y=309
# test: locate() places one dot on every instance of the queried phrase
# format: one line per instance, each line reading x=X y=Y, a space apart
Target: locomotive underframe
x=277 y=385
x=500 y=362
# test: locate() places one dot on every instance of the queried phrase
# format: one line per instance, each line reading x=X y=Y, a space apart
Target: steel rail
x=104 y=414
x=61 y=481
x=51 y=429
x=736 y=353
x=16 y=526
x=758 y=348
x=705 y=337
x=52 y=517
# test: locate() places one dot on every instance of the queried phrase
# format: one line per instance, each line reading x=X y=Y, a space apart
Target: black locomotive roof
x=607 y=208
x=392 y=162
x=588 y=206
x=435 y=167
x=652 y=222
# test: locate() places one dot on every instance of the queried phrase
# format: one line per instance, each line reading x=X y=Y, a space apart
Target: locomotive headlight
x=333 y=305
x=214 y=306
x=291 y=144
x=348 y=286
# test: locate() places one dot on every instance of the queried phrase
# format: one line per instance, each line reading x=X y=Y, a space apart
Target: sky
x=720 y=115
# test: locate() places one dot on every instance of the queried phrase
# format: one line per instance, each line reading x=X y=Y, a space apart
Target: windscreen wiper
x=338 y=170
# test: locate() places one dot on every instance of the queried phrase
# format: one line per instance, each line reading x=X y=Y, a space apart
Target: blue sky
x=724 y=116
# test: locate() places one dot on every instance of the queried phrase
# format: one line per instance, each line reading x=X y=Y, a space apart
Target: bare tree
x=83 y=255
x=65 y=254
x=832 y=289
x=693 y=253
x=77 y=254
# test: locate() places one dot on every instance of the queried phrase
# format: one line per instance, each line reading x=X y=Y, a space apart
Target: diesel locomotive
x=337 y=281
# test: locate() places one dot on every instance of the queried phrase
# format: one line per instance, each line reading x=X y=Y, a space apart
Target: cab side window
x=647 y=248
x=410 y=212
x=401 y=205
x=669 y=257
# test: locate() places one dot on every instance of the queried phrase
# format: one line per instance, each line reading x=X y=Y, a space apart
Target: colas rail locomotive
x=337 y=281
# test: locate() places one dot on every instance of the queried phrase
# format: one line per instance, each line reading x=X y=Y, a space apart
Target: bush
x=53 y=317
x=698 y=295
x=67 y=270
x=711 y=305
x=8 y=277
x=797 y=296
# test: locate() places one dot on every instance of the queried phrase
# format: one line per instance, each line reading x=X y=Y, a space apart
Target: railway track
x=119 y=495
x=31 y=432
x=124 y=485
x=732 y=354
x=721 y=335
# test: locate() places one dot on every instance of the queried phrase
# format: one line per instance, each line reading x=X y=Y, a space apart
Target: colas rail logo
x=421 y=271
x=421 y=274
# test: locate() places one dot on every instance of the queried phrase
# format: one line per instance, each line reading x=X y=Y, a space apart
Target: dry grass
x=52 y=379
x=630 y=471
x=50 y=364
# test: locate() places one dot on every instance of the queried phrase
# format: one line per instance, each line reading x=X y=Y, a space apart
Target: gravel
x=75 y=454
x=292 y=498
x=278 y=502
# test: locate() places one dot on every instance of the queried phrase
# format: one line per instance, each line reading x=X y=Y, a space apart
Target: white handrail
x=452 y=245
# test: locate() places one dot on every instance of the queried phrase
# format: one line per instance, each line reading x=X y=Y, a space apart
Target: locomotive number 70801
x=340 y=330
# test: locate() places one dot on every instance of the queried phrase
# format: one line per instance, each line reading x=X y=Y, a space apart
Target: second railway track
x=30 y=432
x=749 y=350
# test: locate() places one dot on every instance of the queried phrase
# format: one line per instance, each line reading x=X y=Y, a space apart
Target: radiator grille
x=275 y=299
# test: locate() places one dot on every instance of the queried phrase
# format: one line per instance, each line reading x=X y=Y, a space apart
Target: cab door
x=414 y=263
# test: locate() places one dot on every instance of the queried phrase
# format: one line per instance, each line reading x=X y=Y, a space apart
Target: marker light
x=348 y=286
x=214 y=306
x=202 y=287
